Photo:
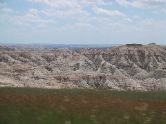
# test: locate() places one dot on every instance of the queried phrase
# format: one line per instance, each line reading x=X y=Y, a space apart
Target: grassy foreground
x=41 y=106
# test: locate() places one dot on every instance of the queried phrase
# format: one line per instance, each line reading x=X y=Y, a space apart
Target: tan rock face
x=128 y=67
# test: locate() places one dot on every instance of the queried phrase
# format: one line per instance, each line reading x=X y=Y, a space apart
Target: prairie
x=75 y=106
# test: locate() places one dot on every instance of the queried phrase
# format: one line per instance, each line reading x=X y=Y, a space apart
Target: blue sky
x=83 y=21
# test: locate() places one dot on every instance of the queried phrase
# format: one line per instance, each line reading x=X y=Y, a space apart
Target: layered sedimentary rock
x=128 y=67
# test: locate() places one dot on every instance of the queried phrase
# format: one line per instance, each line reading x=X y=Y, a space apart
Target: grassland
x=42 y=106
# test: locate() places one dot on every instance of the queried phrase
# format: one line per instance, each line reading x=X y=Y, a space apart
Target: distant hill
x=60 y=45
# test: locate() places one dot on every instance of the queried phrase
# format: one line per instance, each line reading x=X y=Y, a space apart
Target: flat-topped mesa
x=137 y=48
x=134 y=45
x=152 y=44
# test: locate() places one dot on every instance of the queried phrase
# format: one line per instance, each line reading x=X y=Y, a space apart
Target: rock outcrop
x=128 y=67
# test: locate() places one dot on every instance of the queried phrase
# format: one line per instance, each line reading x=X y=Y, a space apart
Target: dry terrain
x=127 y=67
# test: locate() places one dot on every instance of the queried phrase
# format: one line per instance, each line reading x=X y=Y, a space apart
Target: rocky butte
x=128 y=67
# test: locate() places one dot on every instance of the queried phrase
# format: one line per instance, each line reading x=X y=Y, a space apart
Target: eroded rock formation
x=128 y=67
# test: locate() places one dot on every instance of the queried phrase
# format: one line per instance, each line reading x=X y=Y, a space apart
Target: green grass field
x=43 y=106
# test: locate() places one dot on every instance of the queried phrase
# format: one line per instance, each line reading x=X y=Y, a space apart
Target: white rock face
x=128 y=67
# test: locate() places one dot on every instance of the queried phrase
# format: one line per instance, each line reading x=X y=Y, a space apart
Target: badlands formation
x=128 y=67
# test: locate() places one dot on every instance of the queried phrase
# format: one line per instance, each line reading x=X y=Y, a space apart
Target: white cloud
x=30 y=19
x=85 y=20
x=63 y=13
x=93 y=2
x=71 y=3
x=70 y=8
x=106 y=12
x=80 y=18
x=62 y=8
x=142 y=3
x=33 y=18
x=34 y=11
x=81 y=3
x=59 y=3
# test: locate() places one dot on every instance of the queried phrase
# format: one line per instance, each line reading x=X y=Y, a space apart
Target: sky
x=83 y=21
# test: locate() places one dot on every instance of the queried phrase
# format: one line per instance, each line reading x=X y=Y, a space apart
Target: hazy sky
x=83 y=21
